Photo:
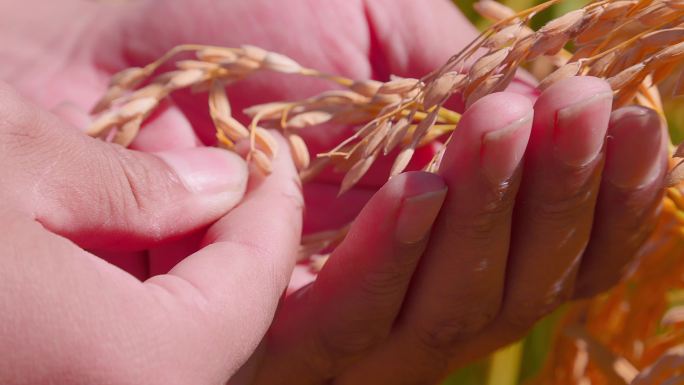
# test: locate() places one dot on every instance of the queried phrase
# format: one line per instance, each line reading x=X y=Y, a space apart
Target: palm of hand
x=108 y=38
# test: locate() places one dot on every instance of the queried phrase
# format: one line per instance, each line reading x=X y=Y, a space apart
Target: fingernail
x=634 y=158
x=503 y=149
x=207 y=170
x=581 y=128
x=418 y=214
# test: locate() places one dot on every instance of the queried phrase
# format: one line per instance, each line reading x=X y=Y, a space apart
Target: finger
x=631 y=190
x=167 y=130
x=353 y=302
x=413 y=38
x=459 y=285
x=553 y=212
x=555 y=206
x=197 y=324
x=103 y=196
x=245 y=266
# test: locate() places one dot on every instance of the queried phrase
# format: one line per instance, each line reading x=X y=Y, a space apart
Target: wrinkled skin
x=532 y=206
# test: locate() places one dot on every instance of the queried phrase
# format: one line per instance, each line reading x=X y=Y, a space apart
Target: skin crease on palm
x=539 y=203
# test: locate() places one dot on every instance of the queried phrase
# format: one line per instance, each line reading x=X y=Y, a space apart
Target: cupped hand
x=536 y=205
x=539 y=205
x=69 y=317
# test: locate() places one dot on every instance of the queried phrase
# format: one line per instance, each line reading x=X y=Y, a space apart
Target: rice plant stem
x=504 y=365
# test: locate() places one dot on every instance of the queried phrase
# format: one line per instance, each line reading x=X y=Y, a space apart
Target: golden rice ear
x=486 y=64
x=355 y=174
x=366 y=87
x=308 y=119
x=102 y=123
x=230 y=127
x=218 y=101
x=627 y=76
x=128 y=131
x=397 y=135
x=266 y=142
x=280 y=63
x=216 y=54
x=299 y=150
x=441 y=88
x=377 y=138
x=634 y=44
x=565 y=71
x=186 y=78
x=669 y=54
x=506 y=36
x=253 y=52
x=138 y=107
x=424 y=126
x=129 y=78
x=398 y=86
x=402 y=161
x=493 y=10
x=261 y=161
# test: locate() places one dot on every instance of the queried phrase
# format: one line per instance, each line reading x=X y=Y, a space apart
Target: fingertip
x=635 y=149
x=495 y=111
x=492 y=134
x=571 y=119
x=416 y=197
x=569 y=91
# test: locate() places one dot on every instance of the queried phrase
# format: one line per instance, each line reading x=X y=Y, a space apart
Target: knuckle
x=134 y=188
x=387 y=282
x=481 y=222
x=524 y=314
x=350 y=342
x=141 y=184
x=447 y=333
x=587 y=289
x=563 y=209
x=335 y=350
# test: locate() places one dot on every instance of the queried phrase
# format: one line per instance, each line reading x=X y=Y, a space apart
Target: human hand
x=361 y=37
x=516 y=237
x=69 y=317
x=447 y=310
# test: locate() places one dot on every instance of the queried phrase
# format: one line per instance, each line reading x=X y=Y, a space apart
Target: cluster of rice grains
x=633 y=44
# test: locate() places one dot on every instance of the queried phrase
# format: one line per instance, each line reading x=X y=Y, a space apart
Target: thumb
x=103 y=196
